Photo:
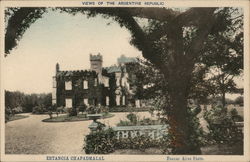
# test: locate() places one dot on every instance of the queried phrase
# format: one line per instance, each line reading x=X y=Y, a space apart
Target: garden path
x=32 y=136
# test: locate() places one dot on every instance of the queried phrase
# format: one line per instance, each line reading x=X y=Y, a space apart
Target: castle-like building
x=105 y=86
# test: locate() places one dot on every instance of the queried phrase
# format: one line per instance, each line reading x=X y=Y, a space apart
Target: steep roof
x=123 y=59
x=113 y=69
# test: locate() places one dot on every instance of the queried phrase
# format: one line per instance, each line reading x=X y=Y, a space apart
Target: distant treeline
x=26 y=102
x=237 y=101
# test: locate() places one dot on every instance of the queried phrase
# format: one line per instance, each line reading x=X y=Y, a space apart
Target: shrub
x=38 y=110
x=196 y=133
x=222 y=126
x=148 y=121
x=50 y=114
x=104 y=109
x=239 y=100
x=132 y=118
x=82 y=108
x=61 y=109
x=125 y=123
x=17 y=110
x=101 y=142
x=141 y=143
x=235 y=116
x=104 y=141
x=144 y=121
x=72 y=111
x=8 y=113
x=93 y=109
x=53 y=107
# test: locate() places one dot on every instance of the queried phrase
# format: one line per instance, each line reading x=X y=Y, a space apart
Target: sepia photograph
x=160 y=81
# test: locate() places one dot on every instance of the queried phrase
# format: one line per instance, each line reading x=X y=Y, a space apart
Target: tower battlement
x=97 y=57
x=96 y=63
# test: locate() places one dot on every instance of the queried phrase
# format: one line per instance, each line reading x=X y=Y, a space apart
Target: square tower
x=96 y=63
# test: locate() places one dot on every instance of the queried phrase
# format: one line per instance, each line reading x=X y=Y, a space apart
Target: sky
x=68 y=40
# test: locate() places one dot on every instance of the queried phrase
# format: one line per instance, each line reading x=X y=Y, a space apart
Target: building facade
x=107 y=86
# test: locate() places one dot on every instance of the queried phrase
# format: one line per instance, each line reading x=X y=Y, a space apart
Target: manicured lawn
x=79 y=117
x=17 y=117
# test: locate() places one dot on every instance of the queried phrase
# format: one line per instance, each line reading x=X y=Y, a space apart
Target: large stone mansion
x=107 y=86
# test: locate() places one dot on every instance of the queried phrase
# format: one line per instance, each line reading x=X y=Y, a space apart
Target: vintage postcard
x=124 y=80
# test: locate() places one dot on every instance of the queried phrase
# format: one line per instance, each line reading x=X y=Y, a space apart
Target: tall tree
x=223 y=55
x=173 y=42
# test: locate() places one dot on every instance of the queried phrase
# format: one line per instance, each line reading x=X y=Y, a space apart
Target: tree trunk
x=178 y=118
x=178 y=74
x=223 y=99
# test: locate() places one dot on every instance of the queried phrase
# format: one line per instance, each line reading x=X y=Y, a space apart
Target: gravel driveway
x=32 y=136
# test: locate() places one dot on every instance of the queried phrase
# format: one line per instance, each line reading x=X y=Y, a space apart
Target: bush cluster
x=61 y=109
x=101 y=142
x=39 y=109
x=142 y=143
x=82 y=108
x=222 y=125
x=105 y=141
x=134 y=120
x=17 y=110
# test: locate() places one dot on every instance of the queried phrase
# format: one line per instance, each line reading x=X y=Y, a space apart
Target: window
x=68 y=102
x=117 y=77
x=85 y=84
x=53 y=101
x=117 y=81
x=86 y=101
x=107 y=100
x=54 y=93
x=68 y=85
x=95 y=82
x=118 y=100
x=123 y=81
x=137 y=103
x=54 y=82
x=106 y=82
x=123 y=100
